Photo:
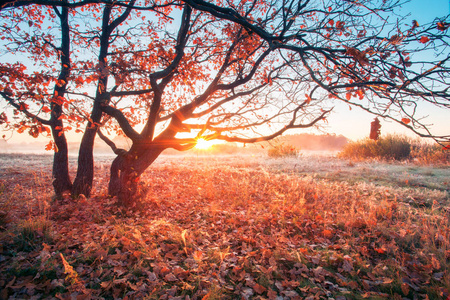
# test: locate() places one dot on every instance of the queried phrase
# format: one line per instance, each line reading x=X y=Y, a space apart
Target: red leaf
x=49 y=146
x=308 y=98
x=424 y=39
x=340 y=25
x=327 y=233
x=380 y=250
x=406 y=120
x=348 y=96
x=45 y=109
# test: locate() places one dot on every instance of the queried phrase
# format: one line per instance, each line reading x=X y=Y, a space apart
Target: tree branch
x=167 y=74
x=24 y=110
x=110 y=143
x=291 y=125
x=122 y=120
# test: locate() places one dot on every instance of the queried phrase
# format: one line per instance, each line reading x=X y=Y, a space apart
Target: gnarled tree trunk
x=126 y=170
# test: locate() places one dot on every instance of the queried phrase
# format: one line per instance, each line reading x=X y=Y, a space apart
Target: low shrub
x=394 y=147
x=282 y=150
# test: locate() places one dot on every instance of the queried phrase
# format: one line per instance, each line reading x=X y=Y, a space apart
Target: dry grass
x=232 y=228
x=397 y=147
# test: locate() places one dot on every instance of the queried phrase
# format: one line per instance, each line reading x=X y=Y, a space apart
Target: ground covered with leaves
x=229 y=228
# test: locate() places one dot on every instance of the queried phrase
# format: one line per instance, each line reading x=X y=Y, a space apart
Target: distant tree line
x=306 y=141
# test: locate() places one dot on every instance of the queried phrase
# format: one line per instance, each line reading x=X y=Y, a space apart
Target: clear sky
x=355 y=123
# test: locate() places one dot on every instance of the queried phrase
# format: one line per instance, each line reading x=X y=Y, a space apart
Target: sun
x=203 y=144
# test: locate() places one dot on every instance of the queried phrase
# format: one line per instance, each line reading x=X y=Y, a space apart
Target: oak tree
x=166 y=73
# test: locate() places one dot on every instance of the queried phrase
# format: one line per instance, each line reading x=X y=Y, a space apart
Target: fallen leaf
x=259 y=288
x=405 y=289
x=170 y=277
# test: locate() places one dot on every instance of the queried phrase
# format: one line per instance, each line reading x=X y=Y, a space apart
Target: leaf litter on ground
x=227 y=228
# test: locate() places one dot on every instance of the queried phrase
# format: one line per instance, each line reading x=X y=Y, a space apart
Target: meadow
x=230 y=227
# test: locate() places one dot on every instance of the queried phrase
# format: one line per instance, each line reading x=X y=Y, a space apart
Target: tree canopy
x=165 y=73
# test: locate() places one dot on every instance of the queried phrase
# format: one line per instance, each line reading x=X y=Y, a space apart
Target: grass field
x=230 y=227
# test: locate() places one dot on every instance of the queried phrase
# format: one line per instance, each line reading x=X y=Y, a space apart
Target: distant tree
x=240 y=71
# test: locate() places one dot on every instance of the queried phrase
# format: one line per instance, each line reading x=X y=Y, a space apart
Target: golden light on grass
x=203 y=144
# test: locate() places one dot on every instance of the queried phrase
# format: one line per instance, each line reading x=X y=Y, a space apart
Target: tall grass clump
x=4 y=208
x=425 y=153
x=396 y=147
x=32 y=233
x=389 y=147
x=282 y=150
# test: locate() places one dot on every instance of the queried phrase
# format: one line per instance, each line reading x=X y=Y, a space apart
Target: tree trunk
x=126 y=170
x=85 y=172
x=61 y=177
x=61 y=181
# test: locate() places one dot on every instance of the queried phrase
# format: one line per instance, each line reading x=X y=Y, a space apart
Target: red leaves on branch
x=340 y=25
x=308 y=98
x=406 y=120
x=3 y=118
x=395 y=39
x=45 y=109
x=348 y=96
x=50 y=146
x=358 y=55
x=442 y=26
x=23 y=106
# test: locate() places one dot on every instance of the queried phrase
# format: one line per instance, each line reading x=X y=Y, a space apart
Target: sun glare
x=203 y=144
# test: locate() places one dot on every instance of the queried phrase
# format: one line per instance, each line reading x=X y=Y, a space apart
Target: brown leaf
x=395 y=40
x=347 y=266
x=170 y=277
x=405 y=289
x=436 y=264
x=272 y=294
x=106 y=285
x=259 y=288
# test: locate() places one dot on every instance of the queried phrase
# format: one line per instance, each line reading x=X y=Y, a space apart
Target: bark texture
x=126 y=170
x=85 y=172
x=61 y=177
